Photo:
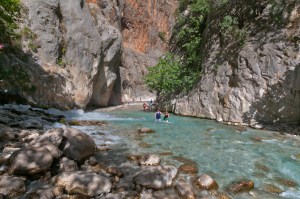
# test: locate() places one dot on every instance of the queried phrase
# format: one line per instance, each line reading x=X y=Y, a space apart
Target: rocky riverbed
x=39 y=161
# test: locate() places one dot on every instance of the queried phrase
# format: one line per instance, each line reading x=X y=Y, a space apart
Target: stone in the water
x=86 y=123
x=7 y=134
x=146 y=130
x=243 y=186
x=192 y=169
x=206 y=182
x=167 y=153
x=269 y=188
x=149 y=159
x=286 y=182
x=115 y=171
x=185 y=160
x=261 y=167
x=134 y=157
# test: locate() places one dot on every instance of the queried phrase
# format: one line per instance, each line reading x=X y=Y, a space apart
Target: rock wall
x=256 y=81
x=73 y=52
x=146 y=29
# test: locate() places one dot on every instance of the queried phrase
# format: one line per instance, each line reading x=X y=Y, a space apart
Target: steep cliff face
x=73 y=52
x=146 y=29
x=251 y=79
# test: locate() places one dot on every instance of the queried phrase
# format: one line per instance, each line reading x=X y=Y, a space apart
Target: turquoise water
x=219 y=150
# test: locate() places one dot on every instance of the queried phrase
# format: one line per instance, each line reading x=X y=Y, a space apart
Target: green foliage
x=228 y=22
x=169 y=77
x=162 y=36
x=9 y=11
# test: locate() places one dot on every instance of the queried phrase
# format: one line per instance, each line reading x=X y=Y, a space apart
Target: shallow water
x=225 y=153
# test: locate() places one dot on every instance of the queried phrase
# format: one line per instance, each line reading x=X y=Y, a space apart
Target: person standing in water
x=166 y=116
x=158 y=116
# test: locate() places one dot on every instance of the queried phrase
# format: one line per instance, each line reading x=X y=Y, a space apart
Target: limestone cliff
x=71 y=54
x=146 y=29
x=251 y=79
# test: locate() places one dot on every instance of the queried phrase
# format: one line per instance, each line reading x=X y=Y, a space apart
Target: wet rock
x=145 y=130
x=192 y=169
x=149 y=160
x=184 y=190
x=239 y=187
x=206 y=182
x=272 y=189
x=11 y=186
x=67 y=165
x=86 y=123
x=262 y=167
x=144 y=145
x=156 y=177
x=28 y=124
x=165 y=153
x=83 y=183
x=7 y=151
x=185 y=160
x=77 y=145
x=7 y=134
x=286 y=182
x=115 y=172
x=257 y=139
x=30 y=160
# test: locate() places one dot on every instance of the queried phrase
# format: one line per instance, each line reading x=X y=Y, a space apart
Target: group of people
x=158 y=116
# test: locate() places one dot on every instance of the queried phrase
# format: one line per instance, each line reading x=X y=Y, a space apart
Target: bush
x=169 y=76
x=9 y=11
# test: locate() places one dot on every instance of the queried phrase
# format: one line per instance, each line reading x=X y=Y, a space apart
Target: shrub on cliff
x=170 y=77
x=9 y=10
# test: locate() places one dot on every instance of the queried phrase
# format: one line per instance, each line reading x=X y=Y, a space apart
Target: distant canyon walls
x=251 y=80
x=146 y=28
x=79 y=53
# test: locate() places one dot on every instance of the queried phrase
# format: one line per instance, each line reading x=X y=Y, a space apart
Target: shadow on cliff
x=24 y=81
x=279 y=107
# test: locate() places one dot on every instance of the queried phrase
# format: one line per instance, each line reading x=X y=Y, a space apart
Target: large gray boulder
x=84 y=183
x=77 y=145
x=55 y=136
x=30 y=160
x=11 y=186
x=156 y=177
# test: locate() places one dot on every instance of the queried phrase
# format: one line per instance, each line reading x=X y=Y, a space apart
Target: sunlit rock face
x=73 y=53
x=146 y=28
x=251 y=79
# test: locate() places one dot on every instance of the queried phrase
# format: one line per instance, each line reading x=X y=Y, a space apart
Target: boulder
x=30 y=160
x=11 y=186
x=55 y=152
x=149 y=159
x=83 y=183
x=156 y=177
x=7 y=134
x=76 y=145
x=42 y=192
x=206 y=182
x=185 y=190
x=67 y=165
x=28 y=135
x=55 y=136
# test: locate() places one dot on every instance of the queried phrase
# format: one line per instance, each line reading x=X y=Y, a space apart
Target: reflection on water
x=227 y=153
